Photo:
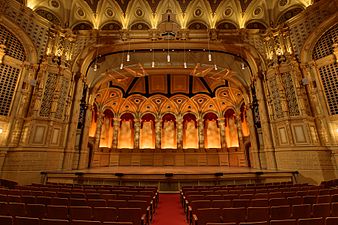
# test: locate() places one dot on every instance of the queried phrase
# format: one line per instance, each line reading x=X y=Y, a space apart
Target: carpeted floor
x=169 y=211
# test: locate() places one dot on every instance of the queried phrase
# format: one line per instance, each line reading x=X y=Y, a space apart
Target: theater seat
x=310 y=221
x=54 y=222
x=6 y=220
x=284 y=222
x=331 y=221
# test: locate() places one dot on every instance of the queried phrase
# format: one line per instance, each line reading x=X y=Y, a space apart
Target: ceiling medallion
x=257 y=11
x=283 y=2
x=198 y=12
x=139 y=12
x=54 y=3
x=228 y=12
x=80 y=12
x=109 y=12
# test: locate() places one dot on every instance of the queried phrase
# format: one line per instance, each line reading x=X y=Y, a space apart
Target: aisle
x=169 y=211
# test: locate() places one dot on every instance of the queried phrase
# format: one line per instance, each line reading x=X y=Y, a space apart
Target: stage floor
x=168 y=178
x=172 y=169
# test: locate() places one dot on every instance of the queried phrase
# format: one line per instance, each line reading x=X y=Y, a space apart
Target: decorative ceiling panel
x=158 y=84
x=179 y=84
x=214 y=4
x=92 y=4
x=184 y=4
x=245 y=4
x=153 y=4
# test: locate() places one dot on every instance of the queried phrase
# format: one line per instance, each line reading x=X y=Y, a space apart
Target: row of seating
x=129 y=204
x=18 y=220
x=254 y=214
x=137 y=215
x=273 y=212
x=305 y=221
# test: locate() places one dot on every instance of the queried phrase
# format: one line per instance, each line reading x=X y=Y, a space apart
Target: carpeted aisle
x=169 y=211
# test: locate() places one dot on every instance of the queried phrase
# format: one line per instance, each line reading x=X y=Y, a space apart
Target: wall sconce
x=1 y=130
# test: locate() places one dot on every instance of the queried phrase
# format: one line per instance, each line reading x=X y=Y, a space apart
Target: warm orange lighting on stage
x=126 y=135
x=147 y=135
x=169 y=135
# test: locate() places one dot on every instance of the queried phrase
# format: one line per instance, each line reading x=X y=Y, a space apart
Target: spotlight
x=185 y=65
x=168 y=58
x=152 y=64
x=121 y=66
x=128 y=57
x=209 y=57
x=242 y=65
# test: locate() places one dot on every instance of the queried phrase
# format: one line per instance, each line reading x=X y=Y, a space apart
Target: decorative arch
x=48 y=15
x=226 y=25
x=231 y=132
x=169 y=131
x=190 y=131
x=139 y=26
x=111 y=26
x=126 y=131
x=197 y=25
x=289 y=13
x=211 y=131
x=147 y=131
x=82 y=26
x=253 y=24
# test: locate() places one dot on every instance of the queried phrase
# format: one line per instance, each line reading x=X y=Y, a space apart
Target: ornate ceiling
x=148 y=14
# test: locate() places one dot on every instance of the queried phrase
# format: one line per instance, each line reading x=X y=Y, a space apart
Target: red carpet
x=169 y=211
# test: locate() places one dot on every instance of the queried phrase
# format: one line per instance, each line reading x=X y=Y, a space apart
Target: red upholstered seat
x=6 y=220
x=105 y=213
x=57 y=212
x=18 y=220
x=311 y=221
x=36 y=210
x=301 y=211
x=280 y=212
x=284 y=222
x=80 y=212
x=54 y=222
x=234 y=214
x=258 y=214
x=321 y=210
x=205 y=215
x=331 y=221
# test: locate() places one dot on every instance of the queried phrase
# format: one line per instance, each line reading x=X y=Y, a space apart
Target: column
x=71 y=141
x=200 y=133
x=222 y=131
x=100 y=117
x=84 y=154
x=255 y=162
x=116 y=126
x=265 y=123
x=137 y=128
x=238 y=123
x=179 y=132
x=158 y=129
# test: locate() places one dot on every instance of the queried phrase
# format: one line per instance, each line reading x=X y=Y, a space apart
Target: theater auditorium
x=169 y=112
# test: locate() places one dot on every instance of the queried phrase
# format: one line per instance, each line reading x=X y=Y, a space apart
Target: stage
x=168 y=178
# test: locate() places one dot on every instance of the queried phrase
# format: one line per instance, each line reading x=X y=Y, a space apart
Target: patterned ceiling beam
x=153 y=4
x=92 y=4
x=245 y=4
x=184 y=4
x=214 y=4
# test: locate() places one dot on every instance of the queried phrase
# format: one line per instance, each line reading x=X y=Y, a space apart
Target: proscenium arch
x=248 y=53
